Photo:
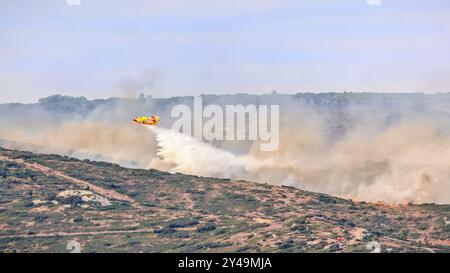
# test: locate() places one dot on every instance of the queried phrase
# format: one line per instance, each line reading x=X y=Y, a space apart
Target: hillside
x=48 y=200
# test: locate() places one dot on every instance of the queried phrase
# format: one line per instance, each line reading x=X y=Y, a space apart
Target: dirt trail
x=94 y=188
x=81 y=233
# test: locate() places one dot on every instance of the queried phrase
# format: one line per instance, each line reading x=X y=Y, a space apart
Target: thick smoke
x=128 y=146
x=185 y=154
x=105 y=134
x=406 y=161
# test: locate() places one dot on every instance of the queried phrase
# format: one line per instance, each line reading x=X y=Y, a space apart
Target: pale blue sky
x=181 y=47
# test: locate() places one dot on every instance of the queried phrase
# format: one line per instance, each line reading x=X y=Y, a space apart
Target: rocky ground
x=50 y=203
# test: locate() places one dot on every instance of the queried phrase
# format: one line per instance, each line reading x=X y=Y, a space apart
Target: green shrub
x=180 y=223
x=205 y=228
x=40 y=218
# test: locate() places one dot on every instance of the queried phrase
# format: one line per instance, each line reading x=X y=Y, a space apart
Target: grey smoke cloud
x=405 y=160
x=400 y=164
x=145 y=82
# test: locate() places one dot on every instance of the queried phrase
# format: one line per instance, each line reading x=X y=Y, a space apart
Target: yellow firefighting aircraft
x=153 y=120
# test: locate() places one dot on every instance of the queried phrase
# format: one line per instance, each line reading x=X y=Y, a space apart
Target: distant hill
x=66 y=106
x=49 y=203
x=339 y=110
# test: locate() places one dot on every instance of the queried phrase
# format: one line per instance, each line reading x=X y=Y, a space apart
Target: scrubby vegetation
x=181 y=213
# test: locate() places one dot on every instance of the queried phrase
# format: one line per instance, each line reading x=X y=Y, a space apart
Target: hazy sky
x=105 y=48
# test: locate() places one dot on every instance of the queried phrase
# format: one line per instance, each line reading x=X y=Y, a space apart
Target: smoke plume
x=404 y=161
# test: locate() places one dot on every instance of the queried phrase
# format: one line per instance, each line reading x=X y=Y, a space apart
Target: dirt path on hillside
x=81 y=233
x=94 y=188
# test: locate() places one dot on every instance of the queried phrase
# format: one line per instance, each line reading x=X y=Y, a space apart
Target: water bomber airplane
x=144 y=120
